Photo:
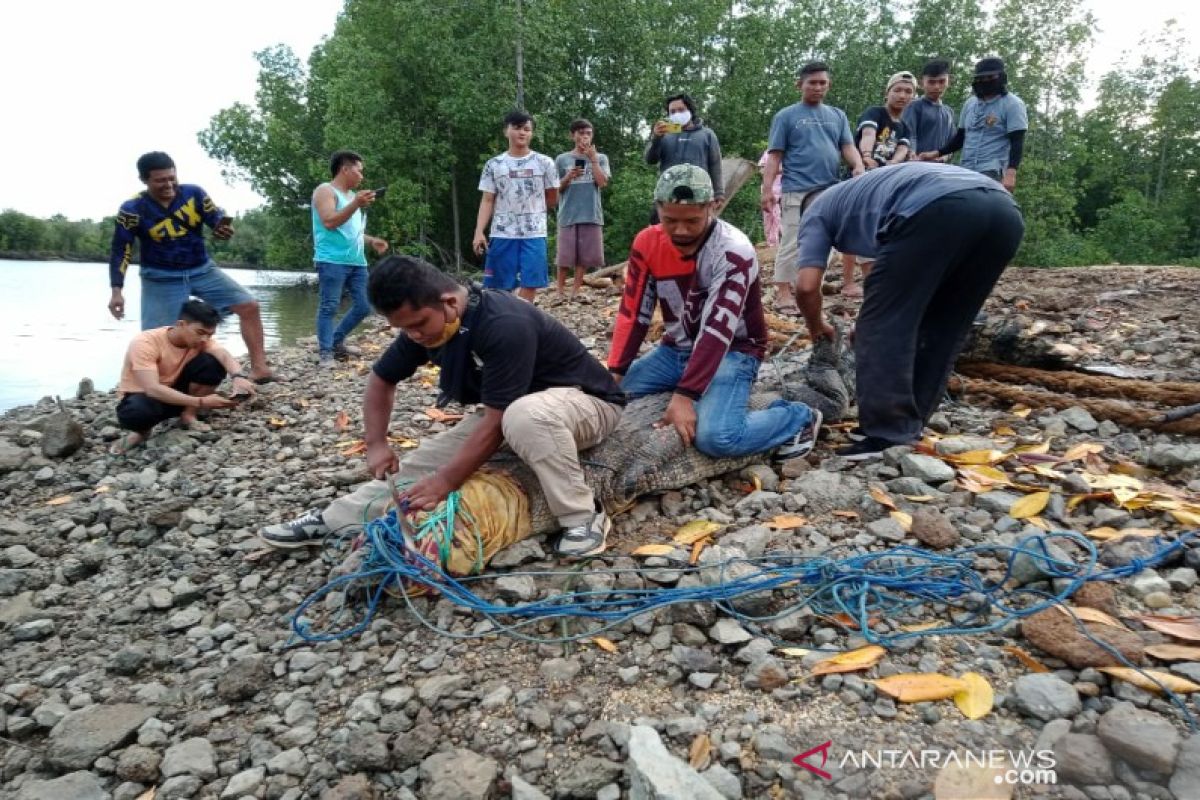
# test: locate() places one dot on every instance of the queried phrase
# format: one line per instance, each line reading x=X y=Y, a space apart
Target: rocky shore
x=148 y=653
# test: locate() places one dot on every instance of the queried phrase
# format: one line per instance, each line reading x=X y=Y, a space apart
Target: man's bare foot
x=126 y=443
x=852 y=290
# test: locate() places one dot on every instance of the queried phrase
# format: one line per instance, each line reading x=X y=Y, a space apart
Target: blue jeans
x=331 y=279
x=725 y=426
x=164 y=291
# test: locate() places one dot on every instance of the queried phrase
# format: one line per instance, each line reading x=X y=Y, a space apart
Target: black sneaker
x=804 y=441
x=585 y=540
x=340 y=352
x=864 y=449
x=305 y=531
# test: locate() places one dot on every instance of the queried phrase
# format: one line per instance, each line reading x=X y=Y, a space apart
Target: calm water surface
x=55 y=327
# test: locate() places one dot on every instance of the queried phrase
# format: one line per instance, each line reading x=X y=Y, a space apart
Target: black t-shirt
x=889 y=133
x=506 y=348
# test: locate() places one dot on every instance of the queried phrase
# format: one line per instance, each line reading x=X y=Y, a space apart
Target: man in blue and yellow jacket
x=167 y=220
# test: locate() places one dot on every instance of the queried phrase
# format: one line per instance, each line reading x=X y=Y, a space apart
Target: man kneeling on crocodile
x=540 y=391
x=703 y=273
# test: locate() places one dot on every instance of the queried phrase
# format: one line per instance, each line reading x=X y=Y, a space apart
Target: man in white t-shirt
x=519 y=186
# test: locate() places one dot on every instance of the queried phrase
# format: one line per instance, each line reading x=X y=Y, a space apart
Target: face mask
x=448 y=332
x=681 y=117
x=987 y=88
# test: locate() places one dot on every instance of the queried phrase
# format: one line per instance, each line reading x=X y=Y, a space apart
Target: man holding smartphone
x=167 y=221
x=339 y=238
x=582 y=173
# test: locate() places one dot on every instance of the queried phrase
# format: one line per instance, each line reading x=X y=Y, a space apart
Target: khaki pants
x=545 y=429
x=791 y=207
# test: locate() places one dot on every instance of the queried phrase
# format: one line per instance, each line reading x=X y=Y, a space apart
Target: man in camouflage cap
x=703 y=273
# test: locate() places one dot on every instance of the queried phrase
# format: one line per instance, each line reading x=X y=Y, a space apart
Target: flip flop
x=127 y=442
x=788 y=310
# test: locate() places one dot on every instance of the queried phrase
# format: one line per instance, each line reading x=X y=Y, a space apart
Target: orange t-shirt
x=153 y=350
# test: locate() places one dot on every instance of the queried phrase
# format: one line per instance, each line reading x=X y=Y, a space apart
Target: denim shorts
x=164 y=291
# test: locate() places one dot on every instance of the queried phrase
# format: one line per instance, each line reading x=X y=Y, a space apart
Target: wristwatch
x=237 y=375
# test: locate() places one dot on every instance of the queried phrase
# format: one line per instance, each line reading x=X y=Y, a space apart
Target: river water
x=55 y=327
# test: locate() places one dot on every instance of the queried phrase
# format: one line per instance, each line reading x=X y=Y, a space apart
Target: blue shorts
x=510 y=259
x=164 y=291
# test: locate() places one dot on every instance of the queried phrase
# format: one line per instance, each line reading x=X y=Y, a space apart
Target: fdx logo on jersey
x=169 y=228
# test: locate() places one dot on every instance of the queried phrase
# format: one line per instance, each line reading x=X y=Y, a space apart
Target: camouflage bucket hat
x=684 y=183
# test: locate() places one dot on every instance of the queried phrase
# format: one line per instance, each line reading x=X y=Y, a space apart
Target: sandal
x=127 y=442
x=787 y=309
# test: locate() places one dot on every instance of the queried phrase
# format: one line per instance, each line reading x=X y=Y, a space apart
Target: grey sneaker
x=804 y=440
x=307 y=530
x=587 y=539
x=326 y=360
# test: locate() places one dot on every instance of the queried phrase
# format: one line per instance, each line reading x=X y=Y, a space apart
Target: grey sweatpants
x=545 y=429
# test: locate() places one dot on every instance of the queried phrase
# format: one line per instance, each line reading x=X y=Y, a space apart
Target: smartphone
x=674 y=127
x=380 y=192
x=580 y=163
x=225 y=221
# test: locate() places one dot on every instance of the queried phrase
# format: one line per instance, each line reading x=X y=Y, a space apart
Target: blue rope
x=891 y=584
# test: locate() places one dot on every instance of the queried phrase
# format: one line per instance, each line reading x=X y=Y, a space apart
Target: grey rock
x=1079 y=418
x=457 y=775
x=1121 y=552
x=728 y=631
x=724 y=781
x=139 y=764
x=766 y=674
x=366 y=750
x=128 y=660
x=560 y=670
x=828 y=491
x=520 y=553
x=956 y=445
x=753 y=540
x=934 y=529
x=1139 y=737
x=351 y=787
x=193 y=756
x=774 y=747
x=243 y=679
x=1173 y=456
x=72 y=786
x=11 y=457
x=83 y=736
x=1080 y=758
x=179 y=788
x=887 y=529
x=289 y=762
x=1028 y=567
x=1146 y=583
x=655 y=774
x=1045 y=696
x=433 y=689
x=516 y=588
x=62 y=435
x=587 y=776
x=1185 y=782
x=522 y=790
x=694 y=659
x=244 y=783
x=34 y=630
x=996 y=502
x=925 y=468
x=1182 y=579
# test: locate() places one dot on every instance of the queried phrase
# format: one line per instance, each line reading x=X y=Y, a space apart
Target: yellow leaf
x=1144 y=679
x=1125 y=496
x=60 y=500
x=757 y=482
x=1174 y=652
x=904 y=518
x=1044 y=471
x=785 y=522
x=1088 y=614
x=845 y=514
x=1186 y=517
x=654 y=550
x=918 y=498
x=919 y=626
x=276 y=422
x=975 y=701
x=696 y=530
x=1112 y=481
x=919 y=687
x=1003 y=430
x=1030 y=505
x=1076 y=499
x=604 y=644
x=1038 y=522
x=1035 y=449
x=978 y=457
x=149 y=794
x=794 y=652
x=985 y=475
x=850 y=661
x=437 y=415
x=880 y=495
x=1082 y=450
x=403 y=443
x=1105 y=534
x=699 y=754
x=1031 y=663
x=1020 y=410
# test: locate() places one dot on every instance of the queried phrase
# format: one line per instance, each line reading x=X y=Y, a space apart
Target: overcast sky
x=89 y=86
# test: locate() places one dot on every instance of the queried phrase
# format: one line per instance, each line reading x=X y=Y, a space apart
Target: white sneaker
x=804 y=441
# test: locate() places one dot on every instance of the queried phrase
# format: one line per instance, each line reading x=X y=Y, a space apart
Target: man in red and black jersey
x=703 y=274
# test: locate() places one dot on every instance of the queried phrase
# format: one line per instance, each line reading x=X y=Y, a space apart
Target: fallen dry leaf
x=700 y=753
x=1020 y=410
x=1088 y=614
x=977 y=457
x=1076 y=499
x=1038 y=522
x=356 y=449
x=341 y=421
x=985 y=475
x=785 y=522
x=62 y=499
x=1029 y=506
x=1179 y=627
x=1185 y=517
x=654 y=550
x=919 y=687
x=437 y=415
x=1145 y=679
x=105 y=489
x=696 y=530
x=149 y=794
x=1003 y=430
x=904 y=518
x=847 y=621
x=1039 y=449
x=697 y=549
x=846 y=514
x=918 y=498
x=1031 y=663
x=975 y=702
x=880 y=495
x=607 y=645
x=276 y=422
x=850 y=661
x=794 y=652
x=1082 y=450
x=1106 y=534
x=1174 y=652
x=919 y=626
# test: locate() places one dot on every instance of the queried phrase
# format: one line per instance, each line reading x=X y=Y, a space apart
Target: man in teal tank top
x=339 y=238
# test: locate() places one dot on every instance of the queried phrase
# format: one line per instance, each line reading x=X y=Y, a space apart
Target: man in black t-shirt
x=883 y=140
x=540 y=392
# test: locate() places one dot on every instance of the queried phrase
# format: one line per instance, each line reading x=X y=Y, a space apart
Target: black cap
x=989 y=66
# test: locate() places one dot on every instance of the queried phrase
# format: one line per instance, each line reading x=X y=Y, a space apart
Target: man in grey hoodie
x=683 y=139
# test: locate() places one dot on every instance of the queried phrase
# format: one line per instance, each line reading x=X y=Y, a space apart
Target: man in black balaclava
x=991 y=128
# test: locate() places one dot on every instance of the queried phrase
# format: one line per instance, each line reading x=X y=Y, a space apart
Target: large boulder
x=82 y=736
